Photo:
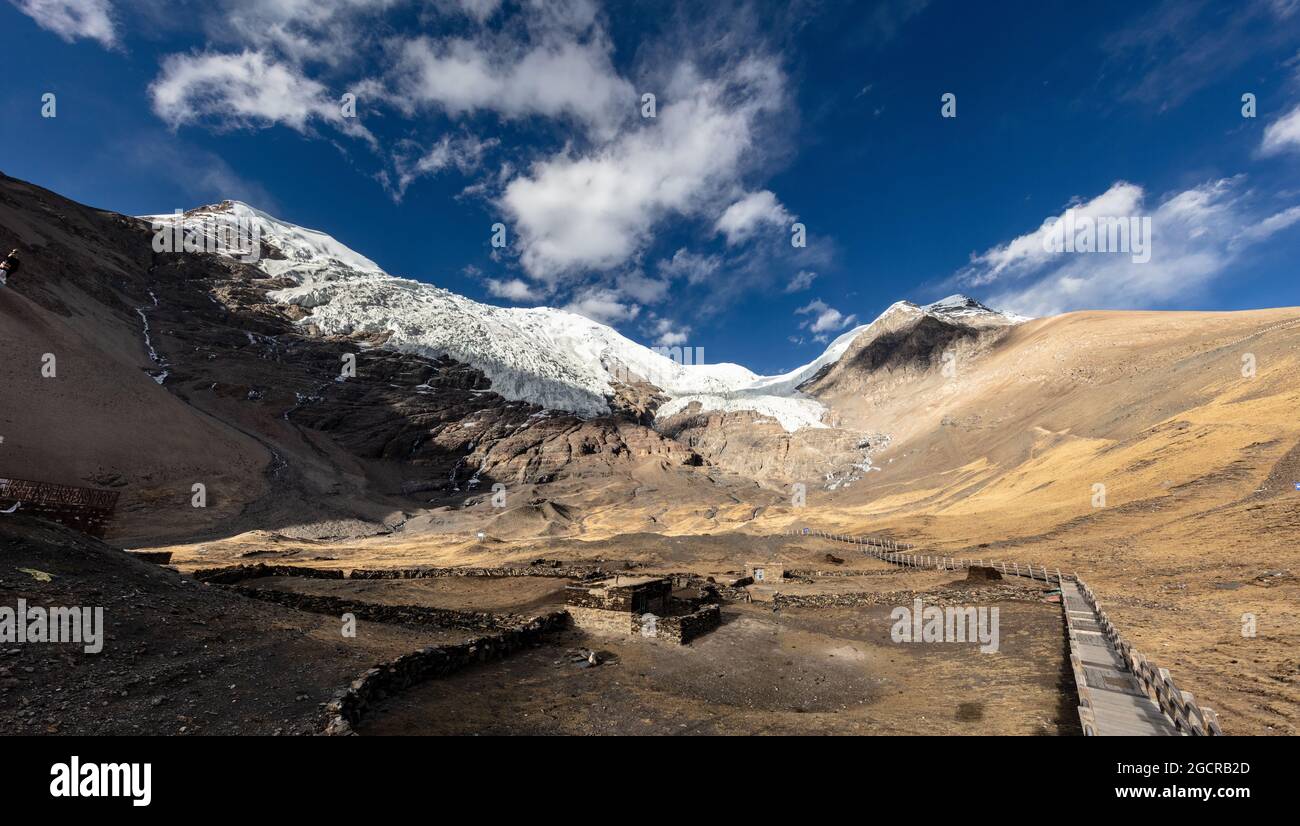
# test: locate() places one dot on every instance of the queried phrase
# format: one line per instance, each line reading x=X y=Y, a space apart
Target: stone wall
x=650 y=596
x=846 y=600
x=735 y=594
x=231 y=574
x=374 y=612
x=687 y=627
x=939 y=597
x=600 y=621
x=506 y=633
x=156 y=557
x=570 y=572
x=236 y=573
x=347 y=707
x=804 y=573
x=675 y=629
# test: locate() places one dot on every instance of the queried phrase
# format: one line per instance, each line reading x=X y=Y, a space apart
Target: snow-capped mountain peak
x=546 y=356
x=964 y=308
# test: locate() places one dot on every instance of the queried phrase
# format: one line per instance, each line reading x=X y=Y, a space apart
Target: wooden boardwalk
x=1121 y=692
x=1111 y=700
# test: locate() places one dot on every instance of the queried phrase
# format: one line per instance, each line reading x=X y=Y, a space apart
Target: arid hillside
x=1160 y=408
x=1137 y=448
x=171 y=370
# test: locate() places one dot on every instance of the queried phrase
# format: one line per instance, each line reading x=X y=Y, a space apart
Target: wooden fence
x=86 y=509
x=1180 y=706
x=899 y=553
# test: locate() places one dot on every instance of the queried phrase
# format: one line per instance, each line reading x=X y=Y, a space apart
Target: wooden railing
x=899 y=553
x=1180 y=706
x=856 y=540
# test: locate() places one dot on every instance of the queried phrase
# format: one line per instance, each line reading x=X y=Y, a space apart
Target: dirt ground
x=1179 y=590
x=797 y=671
x=178 y=657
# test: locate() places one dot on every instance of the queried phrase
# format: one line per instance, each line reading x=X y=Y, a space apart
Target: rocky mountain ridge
x=252 y=358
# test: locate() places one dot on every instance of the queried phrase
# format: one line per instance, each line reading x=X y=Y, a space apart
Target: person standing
x=8 y=267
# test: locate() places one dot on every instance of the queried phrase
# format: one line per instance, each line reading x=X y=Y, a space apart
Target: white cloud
x=330 y=32
x=561 y=76
x=1283 y=134
x=513 y=289
x=464 y=152
x=575 y=213
x=1196 y=235
x=802 y=281
x=744 y=217
x=73 y=19
x=824 y=319
x=1271 y=225
x=581 y=214
x=1026 y=253
x=245 y=90
x=639 y=286
x=480 y=10
x=668 y=333
x=693 y=267
x=603 y=305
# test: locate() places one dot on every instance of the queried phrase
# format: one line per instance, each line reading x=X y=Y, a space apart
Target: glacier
x=553 y=358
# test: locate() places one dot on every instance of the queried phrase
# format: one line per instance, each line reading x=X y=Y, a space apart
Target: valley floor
x=766 y=670
x=185 y=657
x=1179 y=585
x=798 y=671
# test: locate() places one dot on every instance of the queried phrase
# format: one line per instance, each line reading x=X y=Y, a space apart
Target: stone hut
x=641 y=606
x=612 y=606
x=765 y=572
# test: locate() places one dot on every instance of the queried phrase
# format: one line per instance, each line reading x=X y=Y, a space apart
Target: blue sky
x=676 y=229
